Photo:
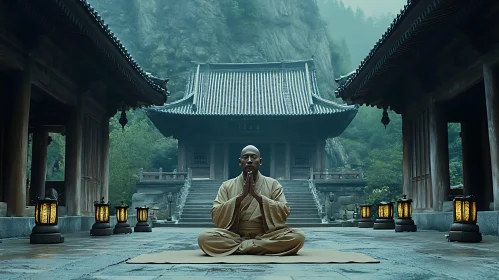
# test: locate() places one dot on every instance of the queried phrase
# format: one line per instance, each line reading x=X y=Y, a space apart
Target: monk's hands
x=246 y=191
x=252 y=185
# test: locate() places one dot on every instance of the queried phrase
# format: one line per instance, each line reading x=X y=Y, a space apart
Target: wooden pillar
x=17 y=143
x=212 y=161
x=226 y=161
x=492 y=104
x=407 y=156
x=105 y=159
x=439 y=157
x=272 y=160
x=287 y=166
x=181 y=156
x=38 y=163
x=72 y=176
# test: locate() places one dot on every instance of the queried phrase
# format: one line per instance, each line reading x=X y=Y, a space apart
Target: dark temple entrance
x=235 y=152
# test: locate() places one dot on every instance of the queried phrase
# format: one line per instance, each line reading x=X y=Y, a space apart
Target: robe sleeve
x=276 y=209
x=222 y=212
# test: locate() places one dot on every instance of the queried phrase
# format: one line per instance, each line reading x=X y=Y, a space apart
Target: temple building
x=438 y=64
x=61 y=71
x=275 y=106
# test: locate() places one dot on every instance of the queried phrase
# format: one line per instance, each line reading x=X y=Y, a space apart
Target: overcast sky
x=377 y=7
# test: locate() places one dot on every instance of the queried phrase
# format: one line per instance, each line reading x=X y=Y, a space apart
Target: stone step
x=207 y=208
x=212 y=225
x=315 y=219
x=310 y=215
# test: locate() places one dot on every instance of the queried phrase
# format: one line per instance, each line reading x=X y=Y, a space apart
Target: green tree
x=139 y=145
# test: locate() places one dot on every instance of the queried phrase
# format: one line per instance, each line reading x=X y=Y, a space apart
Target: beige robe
x=246 y=232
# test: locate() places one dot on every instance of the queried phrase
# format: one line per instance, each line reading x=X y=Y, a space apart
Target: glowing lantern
x=404 y=215
x=122 y=217
x=101 y=226
x=142 y=220
x=385 y=216
x=46 y=229
x=365 y=216
x=464 y=228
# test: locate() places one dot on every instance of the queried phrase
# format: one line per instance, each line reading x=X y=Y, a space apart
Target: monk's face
x=250 y=160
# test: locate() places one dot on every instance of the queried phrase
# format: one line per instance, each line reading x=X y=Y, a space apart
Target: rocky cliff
x=165 y=36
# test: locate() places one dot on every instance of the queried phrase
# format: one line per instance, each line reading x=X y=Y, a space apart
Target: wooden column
x=226 y=161
x=439 y=157
x=181 y=156
x=407 y=156
x=272 y=160
x=212 y=161
x=39 y=163
x=72 y=176
x=492 y=104
x=287 y=165
x=17 y=143
x=105 y=159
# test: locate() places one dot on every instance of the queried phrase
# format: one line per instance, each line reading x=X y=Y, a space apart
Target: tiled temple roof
x=346 y=80
x=253 y=89
x=154 y=82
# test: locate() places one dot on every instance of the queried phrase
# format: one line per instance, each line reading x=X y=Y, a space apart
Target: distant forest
x=365 y=142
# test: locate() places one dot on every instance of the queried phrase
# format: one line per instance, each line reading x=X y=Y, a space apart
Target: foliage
x=455 y=154
x=139 y=145
x=56 y=152
x=377 y=195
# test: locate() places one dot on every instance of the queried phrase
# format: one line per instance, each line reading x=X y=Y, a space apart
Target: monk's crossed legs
x=221 y=242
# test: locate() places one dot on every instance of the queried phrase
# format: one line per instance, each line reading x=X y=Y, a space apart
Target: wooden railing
x=337 y=176
x=163 y=176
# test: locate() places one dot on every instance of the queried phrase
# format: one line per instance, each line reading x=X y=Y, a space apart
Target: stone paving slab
x=415 y=255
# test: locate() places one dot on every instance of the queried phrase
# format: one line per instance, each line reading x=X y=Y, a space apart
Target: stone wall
x=488 y=221
x=155 y=194
x=346 y=197
x=21 y=226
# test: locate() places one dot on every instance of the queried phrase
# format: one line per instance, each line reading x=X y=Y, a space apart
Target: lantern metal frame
x=384 y=222
x=102 y=226
x=365 y=216
x=122 y=225
x=46 y=229
x=404 y=220
x=142 y=220
x=464 y=228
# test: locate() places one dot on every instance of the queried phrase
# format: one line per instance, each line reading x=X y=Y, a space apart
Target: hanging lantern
x=385 y=216
x=142 y=220
x=123 y=120
x=46 y=229
x=385 y=120
x=101 y=226
x=122 y=217
x=365 y=216
x=464 y=228
x=404 y=215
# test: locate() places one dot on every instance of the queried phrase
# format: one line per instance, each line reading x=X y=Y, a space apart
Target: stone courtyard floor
x=416 y=255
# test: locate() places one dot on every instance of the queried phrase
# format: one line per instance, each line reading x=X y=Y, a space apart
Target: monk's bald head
x=251 y=149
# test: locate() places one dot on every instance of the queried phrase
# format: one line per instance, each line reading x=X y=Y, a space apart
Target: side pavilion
x=61 y=70
x=436 y=64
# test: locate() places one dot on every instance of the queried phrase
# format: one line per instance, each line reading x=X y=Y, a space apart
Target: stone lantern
x=122 y=217
x=46 y=229
x=385 y=216
x=404 y=215
x=365 y=216
x=142 y=220
x=101 y=226
x=464 y=228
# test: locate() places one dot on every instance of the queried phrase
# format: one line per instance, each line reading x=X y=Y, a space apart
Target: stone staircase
x=196 y=211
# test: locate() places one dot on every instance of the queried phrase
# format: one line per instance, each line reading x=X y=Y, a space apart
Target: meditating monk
x=250 y=214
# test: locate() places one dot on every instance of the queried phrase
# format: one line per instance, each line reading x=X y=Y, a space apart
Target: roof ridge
x=332 y=103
